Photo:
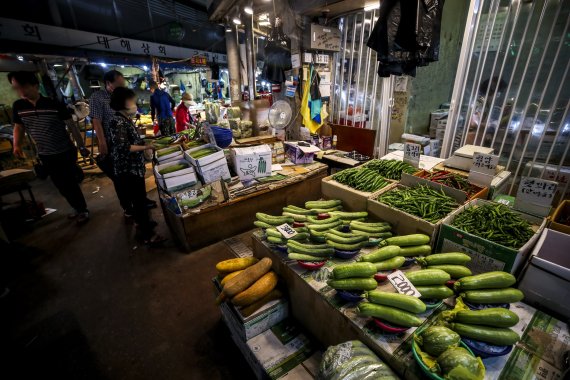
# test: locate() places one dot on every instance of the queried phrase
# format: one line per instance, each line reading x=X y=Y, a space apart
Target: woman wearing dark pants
x=127 y=150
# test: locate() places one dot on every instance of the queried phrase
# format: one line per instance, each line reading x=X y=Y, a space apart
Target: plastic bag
x=353 y=360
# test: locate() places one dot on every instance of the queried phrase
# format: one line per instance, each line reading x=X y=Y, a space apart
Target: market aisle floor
x=89 y=302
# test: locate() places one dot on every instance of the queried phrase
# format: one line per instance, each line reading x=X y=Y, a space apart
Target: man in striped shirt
x=45 y=120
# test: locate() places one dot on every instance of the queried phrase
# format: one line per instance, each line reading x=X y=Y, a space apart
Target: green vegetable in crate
x=507 y=295
x=427 y=277
x=344 y=247
x=455 y=271
x=312 y=220
x=273 y=220
x=354 y=270
x=325 y=227
x=493 y=335
x=370 y=227
x=167 y=151
x=261 y=224
x=361 y=178
x=276 y=240
x=299 y=236
x=495 y=222
x=381 y=254
x=458 y=363
x=344 y=215
x=305 y=257
x=422 y=201
x=488 y=280
x=298 y=210
x=416 y=250
x=296 y=217
x=389 y=314
x=323 y=204
x=436 y=339
x=353 y=284
x=346 y=240
x=397 y=300
x=393 y=263
x=379 y=235
x=437 y=292
x=494 y=317
x=202 y=153
x=407 y=240
x=391 y=169
x=172 y=169
x=310 y=249
x=190 y=203
x=453 y=258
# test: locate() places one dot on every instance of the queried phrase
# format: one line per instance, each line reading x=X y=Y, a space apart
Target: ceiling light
x=102 y=64
x=20 y=58
x=371 y=7
x=264 y=23
x=237 y=20
x=145 y=68
x=122 y=66
x=228 y=28
x=57 y=65
x=248 y=9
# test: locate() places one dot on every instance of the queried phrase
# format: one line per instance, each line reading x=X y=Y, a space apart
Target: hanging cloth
x=312 y=111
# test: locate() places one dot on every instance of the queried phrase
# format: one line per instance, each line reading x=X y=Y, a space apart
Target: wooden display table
x=195 y=230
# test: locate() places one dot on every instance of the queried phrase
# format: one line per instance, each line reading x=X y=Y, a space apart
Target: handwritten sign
x=402 y=285
x=536 y=191
x=485 y=163
x=324 y=38
x=412 y=154
x=286 y=230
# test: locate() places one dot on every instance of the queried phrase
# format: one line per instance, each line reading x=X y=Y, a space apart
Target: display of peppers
x=452 y=180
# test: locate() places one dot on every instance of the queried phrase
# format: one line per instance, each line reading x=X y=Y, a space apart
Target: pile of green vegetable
x=353 y=277
x=393 y=254
x=204 y=194
x=395 y=308
x=451 y=262
x=361 y=178
x=167 y=151
x=200 y=153
x=495 y=222
x=421 y=201
x=391 y=169
x=173 y=168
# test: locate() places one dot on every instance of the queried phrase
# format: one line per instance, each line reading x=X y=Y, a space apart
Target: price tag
x=536 y=191
x=483 y=168
x=286 y=230
x=402 y=285
x=412 y=154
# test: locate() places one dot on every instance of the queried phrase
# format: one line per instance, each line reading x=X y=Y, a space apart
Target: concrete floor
x=89 y=302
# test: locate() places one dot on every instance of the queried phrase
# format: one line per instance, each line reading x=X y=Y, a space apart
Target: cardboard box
x=563 y=210
x=435 y=118
x=177 y=180
x=352 y=199
x=546 y=279
x=207 y=159
x=178 y=155
x=276 y=352
x=486 y=255
x=300 y=154
x=481 y=192
x=252 y=162
x=214 y=171
x=402 y=222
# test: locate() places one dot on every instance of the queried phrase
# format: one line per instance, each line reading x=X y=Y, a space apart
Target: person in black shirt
x=126 y=151
x=45 y=120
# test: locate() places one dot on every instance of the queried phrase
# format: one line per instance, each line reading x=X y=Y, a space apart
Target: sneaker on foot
x=83 y=217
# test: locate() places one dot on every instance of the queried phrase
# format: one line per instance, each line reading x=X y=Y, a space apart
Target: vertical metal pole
x=383 y=134
x=367 y=76
x=341 y=69
x=350 y=67
x=250 y=55
x=233 y=65
x=560 y=129
x=151 y=23
x=375 y=102
x=358 y=68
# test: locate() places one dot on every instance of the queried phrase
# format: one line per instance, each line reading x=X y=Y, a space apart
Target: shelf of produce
x=195 y=230
x=544 y=339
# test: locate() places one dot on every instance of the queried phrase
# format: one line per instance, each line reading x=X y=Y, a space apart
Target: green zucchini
x=296 y=217
x=389 y=314
x=324 y=227
x=506 y=295
x=379 y=235
x=353 y=284
x=438 y=292
x=353 y=270
x=370 y=229
x=455 y=271
x=312 y=220
x=346 y=240
x=452 y=258
x=273 y=220
x=305 y=257
x=494 y=335
x=381 y=254
x=298 y=210
x=393 y=263
x=488 y=280
x=408 y=240
x=323 y=204
x=428 y=277
x=309 y=249
x=345 y=215
x=318 y=239
x=344 y=247
x=326 y=210
x=435 y=340
x=397 y=300
x=276 y=240
x=494 y=317
x=370 y=224
x=261 y=224
x=418 y=250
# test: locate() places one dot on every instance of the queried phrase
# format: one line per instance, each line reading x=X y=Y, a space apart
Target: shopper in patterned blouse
x=127 y=152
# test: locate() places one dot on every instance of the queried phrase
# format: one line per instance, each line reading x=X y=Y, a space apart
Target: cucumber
x=322 y=254
x=345 y=215
x=305 y=257
x=299 y=211
x=310 y=249
x=296 y=217
x=277 y=235
x=323 y=204
x=408 y=240
x=507 y=295
x=307 y=246
x=353 y=284
x=389 y=314
x=276 y=240
x=379 y=235
x=327 y=210
x=345 y=240
x=428 y=277
x=313 y=220
x=453 y=258
x=370 y=224
x=273 y=220
x=438 y=292
x=341 y=234
x=301 y=236
x=261 y=224
x=318 y=239
x=324 y=227
x=344 y=247
x=488 y=280
x=455 y=271
x=493 y=335
x=370 y=229
x=393 y=263
x=494 y=317
x=418 y=250
x=400 y=301
x=381 y=254
x=353 y=270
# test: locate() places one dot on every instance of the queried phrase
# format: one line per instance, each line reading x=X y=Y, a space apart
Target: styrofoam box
x=204 y=160
x=177 y=180
x=252 y=162
x=169 y=157
x=214 y=171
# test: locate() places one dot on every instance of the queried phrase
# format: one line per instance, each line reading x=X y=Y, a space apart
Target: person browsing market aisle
x=45 y=120
x=182 y=112
x=161 y=107
x=127 y=154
